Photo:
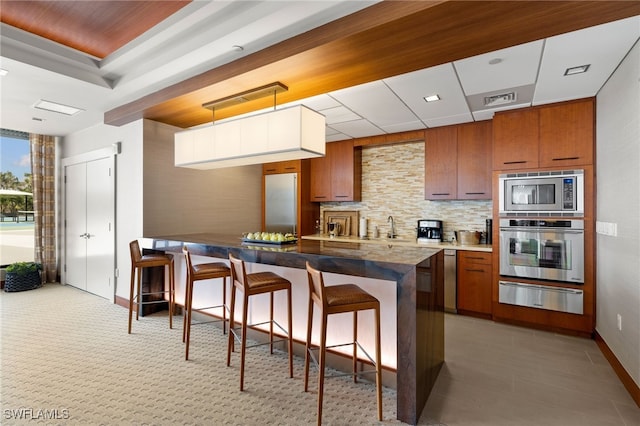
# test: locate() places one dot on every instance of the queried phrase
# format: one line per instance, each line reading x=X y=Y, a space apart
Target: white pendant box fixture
x=286 y=134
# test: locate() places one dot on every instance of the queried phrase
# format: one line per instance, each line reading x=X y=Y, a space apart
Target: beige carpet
x=66 y=350
x=66 y=354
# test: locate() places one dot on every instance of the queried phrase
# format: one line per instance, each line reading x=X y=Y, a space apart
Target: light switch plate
x=607 y=228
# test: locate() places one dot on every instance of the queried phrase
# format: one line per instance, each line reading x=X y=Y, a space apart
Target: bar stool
x=250 y=285
x=138 y=262
x=334 y=300
x=202 y=271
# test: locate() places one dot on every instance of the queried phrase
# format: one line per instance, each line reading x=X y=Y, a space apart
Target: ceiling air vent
x=501 y=99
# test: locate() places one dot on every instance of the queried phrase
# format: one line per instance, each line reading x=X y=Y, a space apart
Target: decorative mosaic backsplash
x=393 y=185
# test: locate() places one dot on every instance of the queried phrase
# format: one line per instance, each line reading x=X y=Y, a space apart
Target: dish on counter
x=268 y=238
x=270 y=243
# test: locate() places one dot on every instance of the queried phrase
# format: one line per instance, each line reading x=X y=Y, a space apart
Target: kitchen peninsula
x=419 y=287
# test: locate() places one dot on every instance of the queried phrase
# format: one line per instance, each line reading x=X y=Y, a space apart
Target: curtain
x=43 y=178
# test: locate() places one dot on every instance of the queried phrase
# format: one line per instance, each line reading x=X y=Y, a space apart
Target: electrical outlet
x=619 y=322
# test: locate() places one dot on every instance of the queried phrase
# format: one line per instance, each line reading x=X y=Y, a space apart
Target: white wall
x=182 y=201
x=618 y=201
x=129 y=213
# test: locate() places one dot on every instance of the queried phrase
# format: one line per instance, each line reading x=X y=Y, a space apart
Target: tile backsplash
x=393 y=185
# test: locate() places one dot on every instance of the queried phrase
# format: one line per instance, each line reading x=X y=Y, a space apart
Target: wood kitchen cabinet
x=338 y=175
x=307 y=211
x=515 y=140
x=567 y=134
x=458 y=162
x=291 y=166
x=474 y=283
x=558 y=135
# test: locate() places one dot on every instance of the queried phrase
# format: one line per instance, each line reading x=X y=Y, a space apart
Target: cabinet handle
x=342 y=196
x=515 y=162
x=472 y=257
x=474 y=270
x=290 y=168
x=271 y=170
x=320 y=196
x=440 y=193
x=565 y=158
x=474 y=193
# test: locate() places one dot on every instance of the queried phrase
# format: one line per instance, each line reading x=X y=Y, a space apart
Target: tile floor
x=498 y=374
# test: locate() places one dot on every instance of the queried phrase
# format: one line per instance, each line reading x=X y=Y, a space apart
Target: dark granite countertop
x=386 y=253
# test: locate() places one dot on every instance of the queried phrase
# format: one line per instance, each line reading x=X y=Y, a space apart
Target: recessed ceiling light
x=3 y=72
x=577 y=70
x=432 y=98
x=56 y=107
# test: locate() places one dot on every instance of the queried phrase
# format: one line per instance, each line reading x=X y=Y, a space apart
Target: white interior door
x=76 y=225
x=100 y=232
x=90 y=223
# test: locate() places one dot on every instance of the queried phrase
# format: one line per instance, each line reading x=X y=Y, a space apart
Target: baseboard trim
x=628 y=382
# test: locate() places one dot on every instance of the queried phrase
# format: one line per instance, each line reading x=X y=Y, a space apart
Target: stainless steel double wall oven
x=549 y=247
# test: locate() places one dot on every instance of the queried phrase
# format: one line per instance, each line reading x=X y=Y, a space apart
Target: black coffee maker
x=429 y=231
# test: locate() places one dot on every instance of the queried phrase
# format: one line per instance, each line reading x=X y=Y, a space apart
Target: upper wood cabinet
x=567 y=134
x=474 y=161
x=441 y=163
x=338 y=175
x=515 y=140
x=547 y=136
x=291 y=166
x=458 y=162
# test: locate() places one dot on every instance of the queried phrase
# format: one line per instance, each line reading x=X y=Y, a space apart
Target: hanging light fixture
x=285 y=134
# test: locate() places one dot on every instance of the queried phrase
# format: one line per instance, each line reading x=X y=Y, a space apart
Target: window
x=16 y=202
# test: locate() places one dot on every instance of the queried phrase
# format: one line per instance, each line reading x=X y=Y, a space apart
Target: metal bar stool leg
x=378 y=363
x=133 y=272
x=290 y=332
x=243 y=349
x=355 y=346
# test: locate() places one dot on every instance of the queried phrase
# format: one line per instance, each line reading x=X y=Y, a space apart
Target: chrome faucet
x=392 y=233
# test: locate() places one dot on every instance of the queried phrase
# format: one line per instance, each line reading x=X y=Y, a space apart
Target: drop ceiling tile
x=317 y=103
x=518 y=67
x=602 y=46
x=339 y=114
x=357 y=128
x=483 y=115
x=376 y=102
x=404 y=127
x=441 y=80
x=337 y=137
x=452 y=119
x=488 y=113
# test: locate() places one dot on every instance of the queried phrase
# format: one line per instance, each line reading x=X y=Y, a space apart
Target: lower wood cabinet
x=474 y=283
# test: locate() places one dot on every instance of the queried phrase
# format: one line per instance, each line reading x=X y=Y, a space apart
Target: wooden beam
x=384 y=40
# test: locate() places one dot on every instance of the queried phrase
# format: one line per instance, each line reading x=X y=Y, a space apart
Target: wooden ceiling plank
x=97 y=28
x=319 y=62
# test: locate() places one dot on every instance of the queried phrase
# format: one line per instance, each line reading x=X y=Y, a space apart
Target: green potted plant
x=21 y=276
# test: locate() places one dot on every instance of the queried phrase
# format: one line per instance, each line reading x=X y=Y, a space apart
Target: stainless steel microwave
x=547 y=193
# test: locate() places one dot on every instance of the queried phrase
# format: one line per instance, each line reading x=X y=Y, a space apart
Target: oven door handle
x=543 y=230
